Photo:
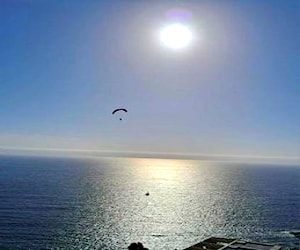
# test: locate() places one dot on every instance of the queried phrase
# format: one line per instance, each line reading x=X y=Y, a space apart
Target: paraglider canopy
x=116 y=110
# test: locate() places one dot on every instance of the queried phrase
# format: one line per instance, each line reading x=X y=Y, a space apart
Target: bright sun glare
x=176 y=36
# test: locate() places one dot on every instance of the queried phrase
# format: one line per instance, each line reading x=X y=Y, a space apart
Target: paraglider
x=117 y=110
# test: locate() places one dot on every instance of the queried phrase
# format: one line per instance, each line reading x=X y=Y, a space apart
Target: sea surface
x=100 y=203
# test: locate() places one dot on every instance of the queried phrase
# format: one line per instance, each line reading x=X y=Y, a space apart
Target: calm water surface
x=56 y=203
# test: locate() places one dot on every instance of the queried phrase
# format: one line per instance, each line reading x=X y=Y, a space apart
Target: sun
x=176 y=36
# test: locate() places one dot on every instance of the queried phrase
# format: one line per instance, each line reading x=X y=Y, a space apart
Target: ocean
x=101 y=203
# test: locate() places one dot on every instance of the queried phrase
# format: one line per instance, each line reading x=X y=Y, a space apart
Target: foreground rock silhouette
x=137 y=246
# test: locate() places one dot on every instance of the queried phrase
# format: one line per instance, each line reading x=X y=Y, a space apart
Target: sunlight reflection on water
x=188 y=201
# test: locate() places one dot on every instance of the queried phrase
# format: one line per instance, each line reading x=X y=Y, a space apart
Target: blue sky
x=65 y=65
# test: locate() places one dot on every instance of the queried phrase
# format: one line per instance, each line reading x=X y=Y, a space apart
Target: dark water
x=48 y=203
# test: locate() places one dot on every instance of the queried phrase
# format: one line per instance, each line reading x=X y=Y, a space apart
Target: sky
x=66 y=65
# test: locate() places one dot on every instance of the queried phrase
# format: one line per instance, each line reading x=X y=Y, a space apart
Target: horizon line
x=150 y=154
